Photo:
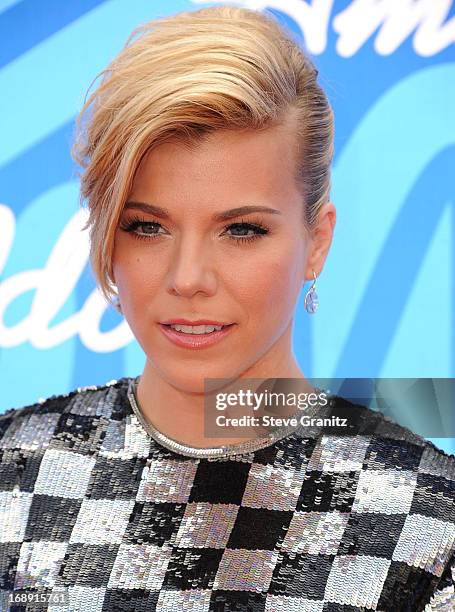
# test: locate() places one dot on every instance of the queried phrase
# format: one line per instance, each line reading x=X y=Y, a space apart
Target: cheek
x=137 y=281
x=270 y=287
x=135 y=275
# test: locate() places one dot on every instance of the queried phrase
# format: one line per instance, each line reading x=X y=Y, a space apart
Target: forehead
x=227 y=168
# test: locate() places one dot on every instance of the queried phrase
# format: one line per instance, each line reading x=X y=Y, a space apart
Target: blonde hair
x=182 y=77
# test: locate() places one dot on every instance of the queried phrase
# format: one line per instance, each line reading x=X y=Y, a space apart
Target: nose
x=191 y=269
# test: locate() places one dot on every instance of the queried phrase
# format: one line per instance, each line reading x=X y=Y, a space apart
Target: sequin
x=97 y=503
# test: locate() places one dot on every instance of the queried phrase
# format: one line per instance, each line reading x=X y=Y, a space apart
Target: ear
x=321 y=239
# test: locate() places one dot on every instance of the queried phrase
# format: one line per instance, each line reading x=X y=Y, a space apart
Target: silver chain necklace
x=214 y=451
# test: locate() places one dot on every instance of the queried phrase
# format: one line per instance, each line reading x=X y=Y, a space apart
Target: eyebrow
x=163 y=213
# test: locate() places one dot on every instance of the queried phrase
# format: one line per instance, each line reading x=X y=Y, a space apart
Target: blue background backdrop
x=386 y=292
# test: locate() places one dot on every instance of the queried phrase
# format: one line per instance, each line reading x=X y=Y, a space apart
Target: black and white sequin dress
x=93 y=506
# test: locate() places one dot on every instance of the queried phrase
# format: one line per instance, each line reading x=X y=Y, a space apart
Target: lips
x=193 y=323
x=195 y=341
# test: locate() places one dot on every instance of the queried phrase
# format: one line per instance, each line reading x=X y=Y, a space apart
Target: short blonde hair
x=182 y=77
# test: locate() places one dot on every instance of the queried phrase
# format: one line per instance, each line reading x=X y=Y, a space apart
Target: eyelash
x=256 y=224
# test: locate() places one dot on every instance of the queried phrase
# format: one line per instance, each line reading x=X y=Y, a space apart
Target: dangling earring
x=311 y=298
x=117 y=305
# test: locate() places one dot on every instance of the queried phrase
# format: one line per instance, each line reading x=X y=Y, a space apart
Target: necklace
x=226 y=450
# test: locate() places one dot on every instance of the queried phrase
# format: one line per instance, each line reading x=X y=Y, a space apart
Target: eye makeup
x=149 y=229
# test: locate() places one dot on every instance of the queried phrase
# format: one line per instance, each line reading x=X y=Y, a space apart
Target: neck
x=179 y=411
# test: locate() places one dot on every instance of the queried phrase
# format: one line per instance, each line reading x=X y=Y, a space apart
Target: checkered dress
x=92 y=505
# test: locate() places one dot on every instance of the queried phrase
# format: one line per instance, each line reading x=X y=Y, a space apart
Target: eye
x=246 y=231
x=147 y=229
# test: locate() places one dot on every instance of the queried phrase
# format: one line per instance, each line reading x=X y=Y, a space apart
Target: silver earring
x=311 y=298
x=117 y=305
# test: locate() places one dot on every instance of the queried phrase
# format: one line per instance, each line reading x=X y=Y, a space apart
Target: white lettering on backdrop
x=53 y=285
x=394 y=20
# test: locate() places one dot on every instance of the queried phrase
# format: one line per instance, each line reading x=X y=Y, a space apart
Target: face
x=246 y=270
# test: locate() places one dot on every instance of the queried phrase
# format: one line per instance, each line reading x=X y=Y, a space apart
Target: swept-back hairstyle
x=180 y=78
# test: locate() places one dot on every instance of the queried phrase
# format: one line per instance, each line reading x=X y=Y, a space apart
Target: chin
x=190 y=377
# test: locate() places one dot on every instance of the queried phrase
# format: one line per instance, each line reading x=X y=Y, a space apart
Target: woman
x=206 y=152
